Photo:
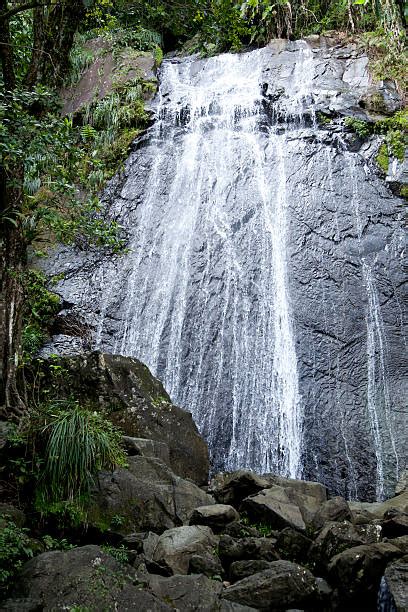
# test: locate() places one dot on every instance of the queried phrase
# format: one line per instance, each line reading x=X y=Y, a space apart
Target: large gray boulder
x=175 y=547
x=307 y=495
x=147 y=448
x=395 y=524
x=293 y=545
x=208 y=564
x=137 y=402
x=146 y=496
x=378 y=509
x=193 y=593
x=233 y=487
x=284 y=585
x=234 y=549
x=215 y=516
x=273 y=507
x=82 y=578
x=334 y=509
x=396 y=580
x=242 y=569
x=357 y=571
x=334 y=538
x=188 y=593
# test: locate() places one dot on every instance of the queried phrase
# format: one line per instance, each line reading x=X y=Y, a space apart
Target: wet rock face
x=264 y=283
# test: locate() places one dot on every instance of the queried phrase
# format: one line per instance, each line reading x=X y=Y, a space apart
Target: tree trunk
x=6 y=52
x=13 y=252
x=13 y=266
x=38 y=48
x=63 y=22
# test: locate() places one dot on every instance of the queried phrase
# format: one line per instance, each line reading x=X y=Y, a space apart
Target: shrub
x=78 y=443
x=15 y=549
x=361 y=128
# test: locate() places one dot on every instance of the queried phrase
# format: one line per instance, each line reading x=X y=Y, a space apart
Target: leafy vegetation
x=121 y=554
x=15 y=549
x=75 y=443
x=40 y=306
x=362 y=128
x=395 y=132
x=383 y=158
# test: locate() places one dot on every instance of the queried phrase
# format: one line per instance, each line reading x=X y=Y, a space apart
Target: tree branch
x=23 y=7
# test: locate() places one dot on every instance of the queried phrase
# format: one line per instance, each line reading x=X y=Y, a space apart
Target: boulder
x=242 y=569
x=83 y=578
x=135 y=401
x=193 y=593
x=176 y=547
x=232 y=488
x=401 y=543
x=273 y=507
x=147 y=496
x=233 y=549
x=238 y=529
x=293 y=545
x=396 y=581
x=187 y=592
x=215 y=516
x=357 y=572
x=378 y=509
x=334 y=538
x=144 y=542
x=284 y=585
x=395 y=524
x=335 y=509
x=8 y=512
x=147 y=448
x=307 y=495
x=324 y=590
x=209 y=565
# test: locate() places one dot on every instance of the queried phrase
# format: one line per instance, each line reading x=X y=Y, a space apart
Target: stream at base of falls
x=263 y=285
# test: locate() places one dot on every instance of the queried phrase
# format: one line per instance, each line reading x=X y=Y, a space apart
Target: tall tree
x=54 y=25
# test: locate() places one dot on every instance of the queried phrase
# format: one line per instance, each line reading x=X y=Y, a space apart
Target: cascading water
x=235 y=319
x=263 y=282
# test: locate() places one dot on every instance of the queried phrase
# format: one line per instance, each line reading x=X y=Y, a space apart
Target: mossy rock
x=133 y=399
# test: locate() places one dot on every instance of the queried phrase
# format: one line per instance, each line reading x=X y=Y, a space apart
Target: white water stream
x=221 y=181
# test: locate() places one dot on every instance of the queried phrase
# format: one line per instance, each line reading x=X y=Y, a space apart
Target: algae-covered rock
x=84 y=578
x=284 y=585
x=176 y=546
x=136 y=402
x=145 y=496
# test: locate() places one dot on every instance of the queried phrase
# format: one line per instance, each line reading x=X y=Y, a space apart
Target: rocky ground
x=243 y=542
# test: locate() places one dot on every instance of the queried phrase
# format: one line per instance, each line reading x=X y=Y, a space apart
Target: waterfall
x=209 y=305
x=378 y=396
x=264 y=279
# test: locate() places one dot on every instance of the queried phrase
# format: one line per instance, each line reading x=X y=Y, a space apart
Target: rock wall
x=265 y=283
